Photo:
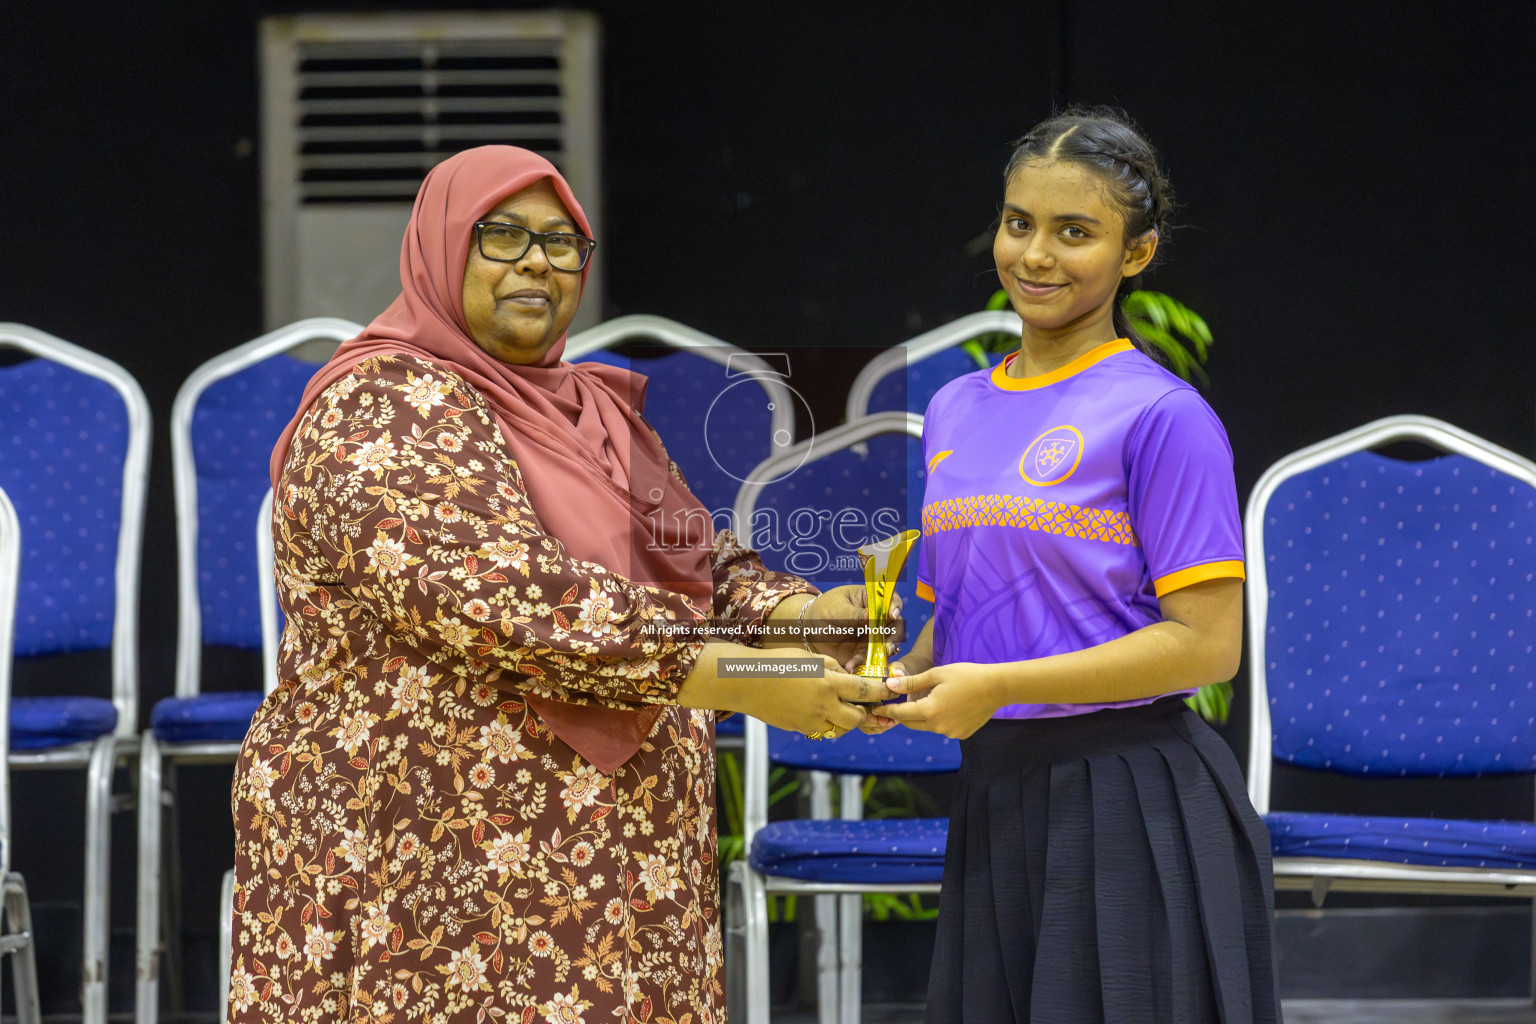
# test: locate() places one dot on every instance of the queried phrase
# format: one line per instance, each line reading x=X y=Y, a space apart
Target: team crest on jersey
x=1052 y=457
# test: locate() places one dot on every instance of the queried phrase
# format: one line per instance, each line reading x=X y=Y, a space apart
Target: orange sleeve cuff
x=924 y=591
x=1197 y=574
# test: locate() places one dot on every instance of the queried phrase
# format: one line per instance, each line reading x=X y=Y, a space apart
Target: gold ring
x=813 y=735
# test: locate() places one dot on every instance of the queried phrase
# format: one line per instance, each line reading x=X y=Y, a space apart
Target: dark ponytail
x=1108 y=143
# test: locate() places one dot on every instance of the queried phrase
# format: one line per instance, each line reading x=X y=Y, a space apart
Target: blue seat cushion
x=1433 y=842
x=40 y=723
x=206 y=718
x=896 y=751
x=894 y=850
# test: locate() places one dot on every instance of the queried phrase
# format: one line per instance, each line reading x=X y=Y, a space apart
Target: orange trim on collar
x=1000 y=371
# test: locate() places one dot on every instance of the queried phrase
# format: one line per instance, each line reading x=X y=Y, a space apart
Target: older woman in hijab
x=484 y=790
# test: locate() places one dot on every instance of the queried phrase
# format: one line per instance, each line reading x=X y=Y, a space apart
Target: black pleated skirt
x=1105 y=867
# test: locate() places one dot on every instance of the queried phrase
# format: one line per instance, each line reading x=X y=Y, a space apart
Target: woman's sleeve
x=402 y=501
x=746 y=591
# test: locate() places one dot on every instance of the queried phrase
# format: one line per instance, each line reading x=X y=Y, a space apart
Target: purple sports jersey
x=1058 y=508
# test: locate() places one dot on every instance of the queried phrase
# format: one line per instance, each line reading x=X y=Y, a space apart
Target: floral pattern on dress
x=413 y=843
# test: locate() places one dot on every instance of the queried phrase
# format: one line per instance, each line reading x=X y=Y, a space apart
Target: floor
x=1297 y=1011
x=1409 y=1011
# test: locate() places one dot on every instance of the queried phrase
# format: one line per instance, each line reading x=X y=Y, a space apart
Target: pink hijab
x=596 y=476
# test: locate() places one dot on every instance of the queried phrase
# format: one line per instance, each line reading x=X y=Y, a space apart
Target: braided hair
x=1107 y=143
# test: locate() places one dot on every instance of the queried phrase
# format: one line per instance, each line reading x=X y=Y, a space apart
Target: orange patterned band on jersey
x=1029 y=514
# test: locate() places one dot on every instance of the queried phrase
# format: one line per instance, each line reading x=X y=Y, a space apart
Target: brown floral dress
x=413 y=844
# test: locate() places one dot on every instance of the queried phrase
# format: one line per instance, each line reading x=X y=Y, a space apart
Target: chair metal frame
x=839 y=906
x=266 y=558
x=898 y=357
x=189 y=613
x=100 y=756
x=645 y=327
x=270 y=643
x=17 y=940
x=226 y=939
x=1322 y=874
x=157 y=759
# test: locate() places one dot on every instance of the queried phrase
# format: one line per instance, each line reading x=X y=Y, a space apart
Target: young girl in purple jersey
x=1082 y=547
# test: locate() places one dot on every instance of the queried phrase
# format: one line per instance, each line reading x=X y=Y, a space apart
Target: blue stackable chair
x=871 y=468
x=905 y=377
x=16 y=939
x=1391 y=635
x=272 y=626
x=74 y=459
x=836 y=860
x=226 y=418
x=719 y=409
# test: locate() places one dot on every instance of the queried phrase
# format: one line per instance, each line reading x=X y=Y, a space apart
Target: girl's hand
x=952 y=700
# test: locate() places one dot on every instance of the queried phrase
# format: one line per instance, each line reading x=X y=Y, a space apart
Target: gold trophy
x=883 y=560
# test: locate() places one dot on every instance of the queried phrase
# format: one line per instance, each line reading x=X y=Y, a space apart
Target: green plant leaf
x=1212 y=703
x=1182 y=361
x=999 y=300
x=730 y=849
x=921 y=912
x=1176 y=353
x=728 y=782
x=1201 y=330
x=978 y=350
x=1174 y=328
x=882 y=906
x=1199 y=333
x=778 y=789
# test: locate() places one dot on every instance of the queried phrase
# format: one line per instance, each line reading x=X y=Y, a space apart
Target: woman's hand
x=952 y=700
x=847 y=606
x=828 y=706
x=810 y=706
x=878 y=721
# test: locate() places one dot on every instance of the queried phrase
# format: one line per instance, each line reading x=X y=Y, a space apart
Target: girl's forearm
x=920 y=657
x=1164 y=657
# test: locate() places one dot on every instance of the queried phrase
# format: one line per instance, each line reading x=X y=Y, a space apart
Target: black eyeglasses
x=508 y=243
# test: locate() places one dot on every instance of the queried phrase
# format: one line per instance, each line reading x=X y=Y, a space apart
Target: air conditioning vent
x=358 y=108
x=374 y=118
